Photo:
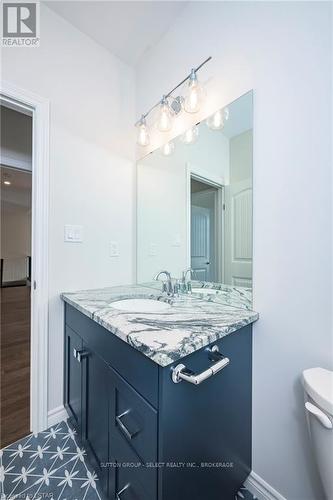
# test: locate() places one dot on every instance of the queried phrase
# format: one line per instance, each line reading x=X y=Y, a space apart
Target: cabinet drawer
x=133 y=479
x=134 y=420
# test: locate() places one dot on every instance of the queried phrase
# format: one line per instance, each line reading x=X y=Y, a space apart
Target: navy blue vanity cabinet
x=73 y=377
x=149 y=438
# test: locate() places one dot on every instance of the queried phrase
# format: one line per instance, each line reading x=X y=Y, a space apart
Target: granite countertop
x=192 y=322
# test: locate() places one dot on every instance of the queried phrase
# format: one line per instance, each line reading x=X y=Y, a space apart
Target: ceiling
x=126 y=28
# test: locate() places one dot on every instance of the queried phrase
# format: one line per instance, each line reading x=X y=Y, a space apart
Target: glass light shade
x=168 y=148
x=216 y=121
x=195 y=94
x=190 y=135
x=143 y=134
x=165 y=116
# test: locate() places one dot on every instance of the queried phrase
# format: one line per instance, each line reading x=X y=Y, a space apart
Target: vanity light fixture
x=165 y=117
x=218 y=119
x=171 y=105
x=168 y=148
x=143 y=134
x=191 y=135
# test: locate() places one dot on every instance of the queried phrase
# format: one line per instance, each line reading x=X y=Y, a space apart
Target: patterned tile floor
x=51 y=465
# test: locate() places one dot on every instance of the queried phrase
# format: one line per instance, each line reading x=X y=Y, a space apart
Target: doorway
x=15 y=273
x=37 y=108
x=206 y=230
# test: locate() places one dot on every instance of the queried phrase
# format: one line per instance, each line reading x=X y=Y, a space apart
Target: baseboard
x=260 y=489
x=56 y=415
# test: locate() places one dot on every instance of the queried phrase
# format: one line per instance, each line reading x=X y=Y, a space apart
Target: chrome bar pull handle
x=119 y=493
x=180 y=372
x=80 y=354
x=128 y=434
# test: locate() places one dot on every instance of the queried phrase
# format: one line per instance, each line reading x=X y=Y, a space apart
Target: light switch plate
x=152 y=250
x=73 y=233
x=114 y=249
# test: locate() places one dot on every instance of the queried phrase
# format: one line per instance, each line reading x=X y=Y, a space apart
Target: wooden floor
x=15 y=364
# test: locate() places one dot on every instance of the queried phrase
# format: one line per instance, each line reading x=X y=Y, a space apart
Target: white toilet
x=318 y=391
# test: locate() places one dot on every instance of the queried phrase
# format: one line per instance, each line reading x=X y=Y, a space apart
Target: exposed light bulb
x=190 y=135
x=216 y=121
x=195 y=94
x=8 y=183
x=168 y=148
x=143 y=134
x=165 y=118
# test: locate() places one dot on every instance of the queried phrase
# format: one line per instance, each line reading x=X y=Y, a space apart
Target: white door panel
x=238 y=216
x=200 y=242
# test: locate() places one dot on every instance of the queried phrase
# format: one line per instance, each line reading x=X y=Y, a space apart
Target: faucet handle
x=176 y=287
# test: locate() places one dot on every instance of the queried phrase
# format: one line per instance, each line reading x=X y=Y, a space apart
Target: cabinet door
x=95 y=432
x=73 y=378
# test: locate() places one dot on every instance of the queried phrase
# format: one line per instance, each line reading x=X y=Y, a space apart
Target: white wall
x=161 y=216
x=15 y=241
x=241 y=156
x=91 y=168
x=15 y=233
x=283 y=51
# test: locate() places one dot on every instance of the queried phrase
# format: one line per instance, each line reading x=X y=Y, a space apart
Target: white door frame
x=26 y=102
x=198 y=173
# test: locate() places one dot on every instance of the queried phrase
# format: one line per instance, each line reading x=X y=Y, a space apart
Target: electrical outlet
x=177 y=241
x=114 y=249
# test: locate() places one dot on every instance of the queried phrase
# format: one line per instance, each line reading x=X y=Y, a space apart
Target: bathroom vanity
x=161 y=400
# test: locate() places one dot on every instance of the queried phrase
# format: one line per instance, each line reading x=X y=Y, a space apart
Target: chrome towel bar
x=180 y=372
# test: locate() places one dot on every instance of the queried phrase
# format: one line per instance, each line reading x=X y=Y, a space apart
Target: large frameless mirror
x=194 y=201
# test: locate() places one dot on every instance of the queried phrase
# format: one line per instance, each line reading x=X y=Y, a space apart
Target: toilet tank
x=318 y=391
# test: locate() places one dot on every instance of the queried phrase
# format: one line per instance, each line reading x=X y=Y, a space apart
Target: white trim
x=20 y=107
x=56 y=415
x=262 y=490
x=24 y=99
x=205 y=175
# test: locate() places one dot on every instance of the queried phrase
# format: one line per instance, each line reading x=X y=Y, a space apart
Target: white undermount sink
x=141 y=305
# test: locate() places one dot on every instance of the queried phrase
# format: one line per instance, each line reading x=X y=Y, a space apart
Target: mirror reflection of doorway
x=206 y=224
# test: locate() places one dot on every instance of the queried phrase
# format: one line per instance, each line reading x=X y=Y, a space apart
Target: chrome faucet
x=166 y=286
x=186 y=287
